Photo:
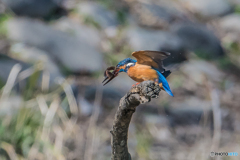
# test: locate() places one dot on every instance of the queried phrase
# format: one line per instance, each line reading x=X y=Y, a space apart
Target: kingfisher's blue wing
x=162 y=79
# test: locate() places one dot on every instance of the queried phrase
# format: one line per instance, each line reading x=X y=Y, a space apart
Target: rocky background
x=52 y=57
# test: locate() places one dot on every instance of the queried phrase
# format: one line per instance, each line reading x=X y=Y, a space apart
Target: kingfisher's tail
x=165 y=89
x=168 y=90
x=165 y=84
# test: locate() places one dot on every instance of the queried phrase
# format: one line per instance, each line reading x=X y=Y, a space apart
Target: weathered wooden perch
x=139 y=94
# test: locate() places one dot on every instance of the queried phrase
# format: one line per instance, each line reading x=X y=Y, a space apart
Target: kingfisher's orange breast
x=141 y=73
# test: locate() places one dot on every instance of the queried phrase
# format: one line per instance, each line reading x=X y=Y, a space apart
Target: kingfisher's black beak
x=110 y=73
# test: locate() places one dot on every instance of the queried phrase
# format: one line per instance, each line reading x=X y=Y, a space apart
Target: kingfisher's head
x=122 y=66
x=125 y=64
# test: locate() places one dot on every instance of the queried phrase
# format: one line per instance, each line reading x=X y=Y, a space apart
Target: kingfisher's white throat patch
x=129 y=64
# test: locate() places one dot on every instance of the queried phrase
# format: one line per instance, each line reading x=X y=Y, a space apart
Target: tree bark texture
x=139 y=94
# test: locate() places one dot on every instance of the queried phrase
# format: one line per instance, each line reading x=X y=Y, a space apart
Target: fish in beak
x=110 y=73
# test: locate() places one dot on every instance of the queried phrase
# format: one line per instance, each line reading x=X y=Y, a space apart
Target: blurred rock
x=199 y=70
x=33 y=8
x=81 y=31
x=228 y=119
x=111 y=96
x=6 y=64
x=33 y=56
x=106 y=19
x=74 y=54
x=192 y=103
x=157 y=120
x=85 y=107
x=149 y=39
x=156 y=15
x=28 y=57
x=158 y=126
x=234 y=2
x=4 y=45
x=231 y=94
x=185 y=116
x=188 y=135
x=199 y=40
x=208 y=8
x=230 y=24
x=236 y=122
x=2 y=8
x=11 y=105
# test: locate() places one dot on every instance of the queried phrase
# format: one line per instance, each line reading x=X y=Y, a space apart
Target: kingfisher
x=148 y=66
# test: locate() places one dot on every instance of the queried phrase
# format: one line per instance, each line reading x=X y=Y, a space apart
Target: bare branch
x=139 y=94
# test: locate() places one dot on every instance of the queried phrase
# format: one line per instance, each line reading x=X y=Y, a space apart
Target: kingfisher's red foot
x=136 y=84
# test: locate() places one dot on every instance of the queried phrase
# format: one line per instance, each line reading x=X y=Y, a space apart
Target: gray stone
x=158 y=15
x=185 y=116
x=6 y=64
x=234 y=2
x=191 y=103
x=199 y=39
x=85 y=107
x=89 y=34
x=11 y=105
x=149 y=39
x=33 y=8
x=111 y=96
x=98 y=13
x=75 y=54
x=231 y=23
x=157 y=120
x=2 y=8
x=35 y=56
x=199 y=70
x=28 y=57
x=208 y=8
